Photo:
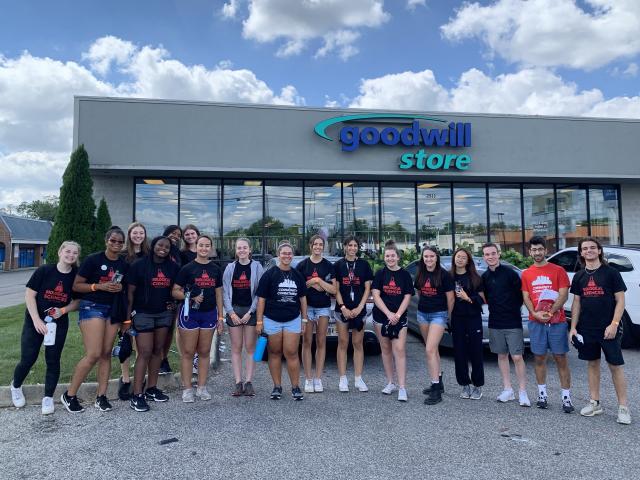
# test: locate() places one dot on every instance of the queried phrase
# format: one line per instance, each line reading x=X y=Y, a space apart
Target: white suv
x=627 y=261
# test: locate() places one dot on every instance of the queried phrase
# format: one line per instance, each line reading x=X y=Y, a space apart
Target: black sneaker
x=248 y=390
x=155 y=394
x=296 y=393
x=124 y=390
x=165 y=368
x=567 y=406
x=440 y=385
x=238 y=390
x=71 y=403
x=276 y=393
x=542 y=402
x=139 y=403
x=435 y=395
x=103 y=404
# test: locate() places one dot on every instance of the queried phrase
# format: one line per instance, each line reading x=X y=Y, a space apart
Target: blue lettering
x=449 y=161
x=406 y=161
x=435 y=161
x=429 y=137
x=452 y=135
x=369 y=136
x=349 y=137
x=463 y=162
x=420 y=157
x=390 y=136
x=467 y=135
x=411 y=135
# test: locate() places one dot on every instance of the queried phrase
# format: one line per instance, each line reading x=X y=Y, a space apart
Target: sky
x=533 y=57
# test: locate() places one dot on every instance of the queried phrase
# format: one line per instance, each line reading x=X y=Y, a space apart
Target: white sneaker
x=389 y=388
x=308 y=386
x=343 y=386
x=360 y=385
x=506 y=396
x=624 y=417
x=17 y=397
x=402 y=395
x=317 y=385
x=47 y=406
x=523 y=399
x=202 y=393
x=591 y=409
x=187 y=395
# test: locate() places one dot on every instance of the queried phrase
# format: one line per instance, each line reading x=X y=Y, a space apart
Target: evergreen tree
x=74 y=218
x=103 y=222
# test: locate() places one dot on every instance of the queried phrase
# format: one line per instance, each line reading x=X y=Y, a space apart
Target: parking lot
x=334 y=435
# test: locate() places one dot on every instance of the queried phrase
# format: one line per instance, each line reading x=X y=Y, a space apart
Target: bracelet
x=63 y=310
x=126 y=322
x=616 y=323
x=221 y=319
x=93 y=287
x=259 y=323
x=305 y=320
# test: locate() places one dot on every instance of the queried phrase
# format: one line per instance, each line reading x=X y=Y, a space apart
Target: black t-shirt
x=503 y=290
x=241 y=285
x=324 y=270
x=597 y=297
x=393 y=286
x=462 y=308
x=187 y=256
x=138 y=255
x=175 y=255
x=153 y=282
x=97 y=268
x=53 y=287
x=432 y=298
x=282 y=292
x=201 y=278
x=351 y=277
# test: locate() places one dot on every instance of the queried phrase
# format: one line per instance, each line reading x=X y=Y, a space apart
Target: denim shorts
x=548 y=336
x=315 y=313
x=88 y=310
x=271 y=327
x=433 y=318
x=197 y=319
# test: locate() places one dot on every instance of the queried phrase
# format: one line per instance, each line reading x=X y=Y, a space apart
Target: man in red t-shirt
x=545 y=288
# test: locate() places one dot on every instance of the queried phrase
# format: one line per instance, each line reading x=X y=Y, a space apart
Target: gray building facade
x=275 y=172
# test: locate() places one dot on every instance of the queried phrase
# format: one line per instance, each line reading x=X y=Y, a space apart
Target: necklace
x=591 y=272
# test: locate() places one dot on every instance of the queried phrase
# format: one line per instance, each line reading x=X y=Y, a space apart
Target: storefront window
x=200 y=205
x=156 y=204
x=470 y=216
x=605 y=217
x=283 y=216
x=539 y=214
x=505 y=219
x=434 y=216
x=572 y=215
x=398 y=214
x=323 y=214
x=361 y=213
x=242 y=214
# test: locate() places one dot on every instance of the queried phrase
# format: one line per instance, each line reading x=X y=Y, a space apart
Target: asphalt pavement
x=12 y=287
x=333 y=435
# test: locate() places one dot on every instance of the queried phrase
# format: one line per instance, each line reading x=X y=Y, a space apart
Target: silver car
x=447 y=339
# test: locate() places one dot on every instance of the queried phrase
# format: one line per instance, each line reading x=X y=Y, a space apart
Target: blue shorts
x=433 y=318
x=271 y=327
x=197 y=319
x=314 y=313
x=89 y=310
x=548 y=336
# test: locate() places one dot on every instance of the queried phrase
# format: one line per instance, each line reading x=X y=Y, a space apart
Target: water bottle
x=133 y=332
x=187 y=301
x=116 y=350
x=50 y=336
x=261 y=344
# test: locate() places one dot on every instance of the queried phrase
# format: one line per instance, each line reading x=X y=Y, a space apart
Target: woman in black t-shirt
x=198 y=318
x=173 y=233
x=48 y=296
x=281 y=303
x=435 y=288
x=392 y=290
x=99 y=281
x=318 y=273
x=190 y=234
x=151 y=307
x=353 y=278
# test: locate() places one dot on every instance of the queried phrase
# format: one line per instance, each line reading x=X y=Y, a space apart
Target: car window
x=412 y=268
x=567 y=260
x=619 y=262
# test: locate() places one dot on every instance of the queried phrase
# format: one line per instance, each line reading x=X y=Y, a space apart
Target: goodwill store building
x=445 y=179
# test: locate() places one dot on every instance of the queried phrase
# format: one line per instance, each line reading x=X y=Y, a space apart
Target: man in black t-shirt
x=598 y=306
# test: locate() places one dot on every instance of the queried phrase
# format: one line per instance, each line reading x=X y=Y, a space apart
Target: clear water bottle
x=116 y=350
x=50 y=336
x=133 y=332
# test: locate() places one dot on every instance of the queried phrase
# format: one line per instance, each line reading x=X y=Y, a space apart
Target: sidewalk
x=12 y=286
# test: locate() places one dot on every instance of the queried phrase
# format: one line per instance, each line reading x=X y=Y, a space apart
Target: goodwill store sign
x=421 y=136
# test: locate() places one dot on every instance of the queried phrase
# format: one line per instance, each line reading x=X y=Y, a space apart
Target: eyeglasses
x=117 y=242
x=537 y=250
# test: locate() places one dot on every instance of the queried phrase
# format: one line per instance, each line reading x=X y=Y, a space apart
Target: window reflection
x=603 y=210
x=572 y=215
x=539 y=214
x=434 y=216
x=323 y=214
x=283 y=216
x=242 y=215
x=470 y=215
x=200 y=205
x=361 y=213
x=156 y=204
x=505 y=216
x=398 y=214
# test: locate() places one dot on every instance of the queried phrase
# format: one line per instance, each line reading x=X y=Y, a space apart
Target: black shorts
x=241 y=311
x=594 y=344
x=356 y=323
x=148 y=322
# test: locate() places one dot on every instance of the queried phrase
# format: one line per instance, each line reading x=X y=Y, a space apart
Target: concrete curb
x=87 y=392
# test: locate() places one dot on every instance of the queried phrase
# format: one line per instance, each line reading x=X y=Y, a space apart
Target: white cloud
x=28 y=176
x=297 y=22
x=106 y=51
x=552 y=32
x=630 y=72
x=412 y=4
x=230 y=9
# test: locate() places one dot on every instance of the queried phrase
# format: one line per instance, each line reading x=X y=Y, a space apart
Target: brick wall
x=6 y=240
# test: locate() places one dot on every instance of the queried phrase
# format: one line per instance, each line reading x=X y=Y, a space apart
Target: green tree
x=74 y=219
x=40 y=209
x=103 y=222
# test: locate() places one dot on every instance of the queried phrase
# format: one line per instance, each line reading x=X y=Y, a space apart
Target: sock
x=566 y=394
x=542 y=390
x=357 y=378
x=435 y=382
x=344 y=377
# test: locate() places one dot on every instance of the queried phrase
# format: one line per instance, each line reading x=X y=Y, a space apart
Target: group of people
x=141 y=288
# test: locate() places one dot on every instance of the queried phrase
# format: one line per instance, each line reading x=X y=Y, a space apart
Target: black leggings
x=30 y=348
x=467 y=347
